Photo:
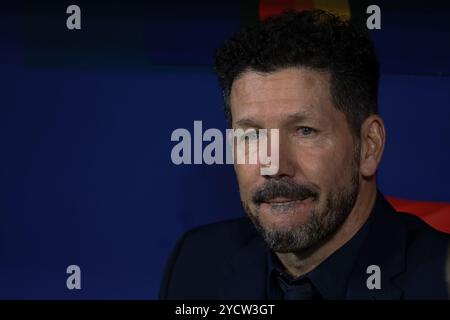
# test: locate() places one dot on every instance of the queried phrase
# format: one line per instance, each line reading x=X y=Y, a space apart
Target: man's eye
x=305 y=131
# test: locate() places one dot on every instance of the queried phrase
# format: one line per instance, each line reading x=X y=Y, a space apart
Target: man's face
x=318 y=178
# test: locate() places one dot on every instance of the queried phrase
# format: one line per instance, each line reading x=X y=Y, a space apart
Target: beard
x=322 y=222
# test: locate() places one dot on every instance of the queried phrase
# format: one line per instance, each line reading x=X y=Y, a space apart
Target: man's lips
x=282 y=200
x=281 y=205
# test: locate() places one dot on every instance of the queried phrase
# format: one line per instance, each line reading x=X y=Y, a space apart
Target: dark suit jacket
x=227 y=260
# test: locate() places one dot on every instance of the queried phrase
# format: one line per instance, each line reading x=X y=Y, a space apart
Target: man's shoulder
x=426 y=258
x=194 y=267
x=419 y=232
x=425 y=245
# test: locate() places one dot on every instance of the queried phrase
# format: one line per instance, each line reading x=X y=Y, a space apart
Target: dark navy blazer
x=227 y=260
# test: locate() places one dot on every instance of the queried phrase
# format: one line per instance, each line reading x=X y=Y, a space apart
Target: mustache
x=285 y=188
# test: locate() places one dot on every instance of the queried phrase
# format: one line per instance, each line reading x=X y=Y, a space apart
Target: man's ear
x=373 y=139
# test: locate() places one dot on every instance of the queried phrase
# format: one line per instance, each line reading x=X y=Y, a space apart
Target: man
x=318 y=228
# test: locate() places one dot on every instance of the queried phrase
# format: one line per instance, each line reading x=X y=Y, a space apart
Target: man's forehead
x=284 y=92
x=288 y=83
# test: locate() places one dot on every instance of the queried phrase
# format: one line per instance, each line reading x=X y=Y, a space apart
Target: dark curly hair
x=313 y=39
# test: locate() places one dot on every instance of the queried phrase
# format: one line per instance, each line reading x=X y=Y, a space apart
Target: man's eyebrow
x=300 y=116
x=293 y=117
x=247 y=123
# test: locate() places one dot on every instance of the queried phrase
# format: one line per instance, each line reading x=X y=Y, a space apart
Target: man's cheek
x=247 y=173
x=321 y=164
x=244 y=179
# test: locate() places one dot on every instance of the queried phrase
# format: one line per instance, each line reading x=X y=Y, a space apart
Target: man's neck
x=300 y=263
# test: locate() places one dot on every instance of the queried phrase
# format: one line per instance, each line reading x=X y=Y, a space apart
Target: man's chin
x=283 y=241
x=287 y=233
x=282 y=228
x=285 y=218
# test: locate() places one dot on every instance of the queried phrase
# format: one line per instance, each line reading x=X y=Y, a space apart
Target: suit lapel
x=384 y=247
x=244 y=277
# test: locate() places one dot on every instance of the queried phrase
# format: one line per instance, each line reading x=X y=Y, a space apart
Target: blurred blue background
x=86 y=118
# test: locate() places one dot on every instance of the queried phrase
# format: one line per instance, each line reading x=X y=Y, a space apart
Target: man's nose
x=287 y=162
